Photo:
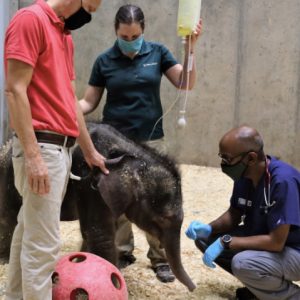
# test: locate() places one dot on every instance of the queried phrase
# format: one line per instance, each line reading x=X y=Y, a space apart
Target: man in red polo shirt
x=47 y=120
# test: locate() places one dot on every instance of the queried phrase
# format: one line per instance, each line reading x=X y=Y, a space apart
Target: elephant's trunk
x=172 y=247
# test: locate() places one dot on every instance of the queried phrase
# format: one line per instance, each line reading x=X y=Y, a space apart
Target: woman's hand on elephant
x=198 y=230
x=212 y=252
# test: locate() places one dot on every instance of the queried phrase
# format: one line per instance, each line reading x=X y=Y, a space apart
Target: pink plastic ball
x=85 y=276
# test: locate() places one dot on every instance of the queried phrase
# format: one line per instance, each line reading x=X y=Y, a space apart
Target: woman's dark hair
x=128 y=14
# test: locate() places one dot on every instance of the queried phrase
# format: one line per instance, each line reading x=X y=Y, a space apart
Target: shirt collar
x=50 y=13
x=272 y=162
x=116 y=52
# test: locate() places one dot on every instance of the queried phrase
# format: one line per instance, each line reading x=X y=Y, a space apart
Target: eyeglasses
x=228 y=160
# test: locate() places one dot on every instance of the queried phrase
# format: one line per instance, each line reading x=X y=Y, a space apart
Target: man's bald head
x=239 y=140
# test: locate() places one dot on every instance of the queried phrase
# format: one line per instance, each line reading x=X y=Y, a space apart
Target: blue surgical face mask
x=132 y=46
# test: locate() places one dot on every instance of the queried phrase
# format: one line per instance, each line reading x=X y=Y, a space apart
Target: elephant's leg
x=97 y=226
x=7 y=226
x=68 y=208
x=10 y=203
x=84 y=246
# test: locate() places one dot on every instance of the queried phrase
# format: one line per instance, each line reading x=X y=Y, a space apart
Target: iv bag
x=188 y=16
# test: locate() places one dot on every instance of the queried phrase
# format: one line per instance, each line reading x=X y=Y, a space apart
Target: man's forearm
x=226 y=222
x=84 y=139
x=90 y=153
x=21 y=119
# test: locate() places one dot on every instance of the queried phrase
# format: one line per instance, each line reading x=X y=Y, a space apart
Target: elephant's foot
x=126 y=260
x=4 y=260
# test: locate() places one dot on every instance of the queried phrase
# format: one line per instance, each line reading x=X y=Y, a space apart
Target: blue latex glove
x=212 y=252
x=198 y=230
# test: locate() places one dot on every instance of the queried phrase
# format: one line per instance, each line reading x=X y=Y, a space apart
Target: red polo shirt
x=36 y=36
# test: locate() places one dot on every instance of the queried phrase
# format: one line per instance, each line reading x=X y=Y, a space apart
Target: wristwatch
x=226 y=240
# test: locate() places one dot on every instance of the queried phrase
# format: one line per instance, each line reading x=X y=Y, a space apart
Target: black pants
x=225 y=258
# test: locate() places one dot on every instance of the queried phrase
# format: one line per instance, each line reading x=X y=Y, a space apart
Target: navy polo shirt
x=285 y=192
x=133 y=102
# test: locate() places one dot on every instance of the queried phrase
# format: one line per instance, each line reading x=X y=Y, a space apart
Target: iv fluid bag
x=188 y=16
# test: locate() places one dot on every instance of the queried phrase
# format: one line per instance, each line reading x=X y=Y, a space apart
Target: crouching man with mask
x=258 y=238
x=46 y=120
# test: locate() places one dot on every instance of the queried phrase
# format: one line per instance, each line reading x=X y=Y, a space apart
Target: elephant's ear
x=118 y=189
x=115 y=196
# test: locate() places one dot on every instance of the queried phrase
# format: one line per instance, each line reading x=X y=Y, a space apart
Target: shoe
x=126 y=260
x=164 y=273
x=244 y=294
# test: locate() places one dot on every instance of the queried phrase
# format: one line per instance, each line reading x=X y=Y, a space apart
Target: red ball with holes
x=85 y=276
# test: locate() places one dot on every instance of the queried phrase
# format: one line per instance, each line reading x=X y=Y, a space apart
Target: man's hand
x=212 y=252
x=37 y=173
x=198 y=230
x=97 y=160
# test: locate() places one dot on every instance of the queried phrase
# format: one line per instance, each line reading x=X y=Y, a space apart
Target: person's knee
x=241 y=266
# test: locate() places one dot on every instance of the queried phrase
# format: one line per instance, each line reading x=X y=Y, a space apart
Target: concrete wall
x=248 y=65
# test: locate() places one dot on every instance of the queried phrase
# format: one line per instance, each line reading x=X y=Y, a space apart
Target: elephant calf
x=142 y=184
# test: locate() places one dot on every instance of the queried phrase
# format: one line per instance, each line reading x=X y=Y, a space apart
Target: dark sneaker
x=244 y=294
x=164 y=273
x=126 y=260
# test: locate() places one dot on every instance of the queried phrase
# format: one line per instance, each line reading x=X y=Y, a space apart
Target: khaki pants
x=124 y=235
x=36 y=241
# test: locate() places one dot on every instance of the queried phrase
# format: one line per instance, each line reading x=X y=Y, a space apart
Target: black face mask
x=236 y=171
x=78 y=19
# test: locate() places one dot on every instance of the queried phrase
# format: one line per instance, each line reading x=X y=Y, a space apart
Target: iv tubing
x=168 y=110
x=189 y=65
x=178 y=94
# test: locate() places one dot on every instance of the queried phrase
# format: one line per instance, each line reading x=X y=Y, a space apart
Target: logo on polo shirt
x=150 y=64
x=244 y=202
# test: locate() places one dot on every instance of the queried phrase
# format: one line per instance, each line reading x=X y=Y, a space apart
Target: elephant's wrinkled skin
x=142 y=184
x=10 y=201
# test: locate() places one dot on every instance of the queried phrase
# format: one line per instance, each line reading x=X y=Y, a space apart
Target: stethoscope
x=267 y=190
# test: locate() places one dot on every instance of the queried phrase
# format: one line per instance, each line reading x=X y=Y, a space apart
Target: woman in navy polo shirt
x=131 y=72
